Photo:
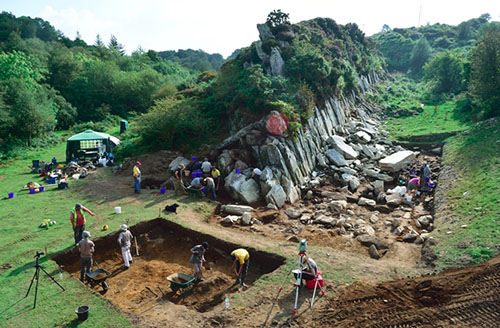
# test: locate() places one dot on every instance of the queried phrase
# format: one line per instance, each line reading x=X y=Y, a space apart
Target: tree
x=446 y=71
x=485 y=72
x=115 y=46
x=385 y=28
x=276 y=18
x=420 y=54
x=98 y=41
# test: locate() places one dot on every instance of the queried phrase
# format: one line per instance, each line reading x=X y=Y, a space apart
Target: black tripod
x=36 y=276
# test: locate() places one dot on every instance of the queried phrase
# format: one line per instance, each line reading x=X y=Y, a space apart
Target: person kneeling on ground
x=86 y=248
x=310 y=272
x=241 y=260
x=197 y=258
x=125 y=241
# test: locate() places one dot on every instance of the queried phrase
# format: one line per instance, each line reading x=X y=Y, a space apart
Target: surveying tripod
x=36 y=276
x=298 y=282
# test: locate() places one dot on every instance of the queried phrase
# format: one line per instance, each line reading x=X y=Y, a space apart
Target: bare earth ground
x=441 y=300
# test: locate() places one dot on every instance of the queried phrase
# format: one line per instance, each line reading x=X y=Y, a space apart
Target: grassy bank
x=447 y=117
x=473 y=197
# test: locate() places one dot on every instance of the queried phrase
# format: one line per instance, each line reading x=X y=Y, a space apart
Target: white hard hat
x=123 y=227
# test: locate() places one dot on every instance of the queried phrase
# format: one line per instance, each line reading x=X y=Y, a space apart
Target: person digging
x=86 y=249
x=197 y=258
x=125 y=241
x=78 y=220
x=241 y=260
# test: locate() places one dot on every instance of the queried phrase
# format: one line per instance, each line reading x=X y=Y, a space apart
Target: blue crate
x=51 y=180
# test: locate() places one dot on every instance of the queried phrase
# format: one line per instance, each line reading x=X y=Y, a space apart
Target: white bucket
x=118 y=210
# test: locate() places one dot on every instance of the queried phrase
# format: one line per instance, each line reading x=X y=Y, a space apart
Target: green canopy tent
x=87 y=144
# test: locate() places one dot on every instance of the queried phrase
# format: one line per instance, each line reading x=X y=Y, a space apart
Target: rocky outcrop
x=276 y=62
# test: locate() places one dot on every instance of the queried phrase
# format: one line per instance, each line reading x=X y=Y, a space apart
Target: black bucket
x=83 y=312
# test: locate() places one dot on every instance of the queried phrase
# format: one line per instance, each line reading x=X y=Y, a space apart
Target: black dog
x=171 y=208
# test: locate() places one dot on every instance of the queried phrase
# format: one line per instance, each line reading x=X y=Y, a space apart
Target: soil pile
x=468 y=297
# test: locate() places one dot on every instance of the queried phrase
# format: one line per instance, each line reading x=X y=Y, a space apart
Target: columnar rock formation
x=343 y=137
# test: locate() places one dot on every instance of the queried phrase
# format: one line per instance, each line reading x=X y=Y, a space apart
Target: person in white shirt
x=206 y=167
x=125 y=241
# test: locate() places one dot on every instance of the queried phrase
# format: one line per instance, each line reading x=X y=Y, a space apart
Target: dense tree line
x=451 y=60
x=48 y=81
x=194 y=59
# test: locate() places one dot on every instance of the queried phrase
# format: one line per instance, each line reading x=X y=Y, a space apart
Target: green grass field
x=21 y=237
x=446 y=119
x=474 y=199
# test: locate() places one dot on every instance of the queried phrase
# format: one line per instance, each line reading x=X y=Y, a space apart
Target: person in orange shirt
x=78 y=220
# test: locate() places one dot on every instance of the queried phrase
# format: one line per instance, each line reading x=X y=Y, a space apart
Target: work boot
x=243 y=285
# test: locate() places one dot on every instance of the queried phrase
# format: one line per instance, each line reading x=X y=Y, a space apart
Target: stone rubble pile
x=73 y=168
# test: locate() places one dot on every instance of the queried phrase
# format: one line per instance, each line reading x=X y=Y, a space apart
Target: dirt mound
x=468 y=297
x=152 y=163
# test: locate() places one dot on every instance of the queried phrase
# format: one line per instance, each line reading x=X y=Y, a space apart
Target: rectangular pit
x=164 y=248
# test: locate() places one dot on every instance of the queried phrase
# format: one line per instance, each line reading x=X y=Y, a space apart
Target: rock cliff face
x=343 y=140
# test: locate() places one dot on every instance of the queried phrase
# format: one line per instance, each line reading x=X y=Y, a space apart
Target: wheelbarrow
x=181 y=281
x=97 y=277
x=195 y=191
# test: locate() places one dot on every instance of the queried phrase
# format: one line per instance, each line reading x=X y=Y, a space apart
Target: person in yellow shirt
x=216 y=177
x=137 y=178
x=241 y=260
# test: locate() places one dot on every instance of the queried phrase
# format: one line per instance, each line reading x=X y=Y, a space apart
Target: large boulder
x=293 y=213
x=276 y=62
x=225 y=162
x=249 y=191
x=339 y=144
x=235 y=209
x=264 y=32
x=233 y=184
x=378 y=187
x=326 y=220
x=268 y=179
x=363 y=137
x=276 y=196
x=277 y=123
x=292 y=194
x=393 y=200
x=368 y=240
x=397 y=161
x=337 y=205
x=176 y=162
x=335 y=157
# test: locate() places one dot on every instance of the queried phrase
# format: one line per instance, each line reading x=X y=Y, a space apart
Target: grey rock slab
x=339 y=144
x=293 y=213
x=246 y=219
x=393 y=200
x=374 y=254
x=368 y=240
x=333 y=195
x=176 y=162
x=366 y=202
x=363 y=137
x=397 y=161
x=229 y=220
x=335 y=157
x=277 y=196
x=276 y=62
x=250 y=191
x=236 y=209
x=326 y=220
x=337 y=205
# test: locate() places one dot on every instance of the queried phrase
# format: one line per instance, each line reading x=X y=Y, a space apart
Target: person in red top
x=78 y=220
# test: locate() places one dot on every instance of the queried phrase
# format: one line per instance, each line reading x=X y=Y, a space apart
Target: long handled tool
x=136 y=248
x=277 y=295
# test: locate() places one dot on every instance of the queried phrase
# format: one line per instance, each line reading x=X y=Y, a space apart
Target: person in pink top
x=414 y=183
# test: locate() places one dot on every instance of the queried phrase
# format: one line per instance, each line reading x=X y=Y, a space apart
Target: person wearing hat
x=137 y=177
x=125 y=241
x=216 y=177
x=197 y=258
x=241 y=260
x=78 y=220
x=86 y=248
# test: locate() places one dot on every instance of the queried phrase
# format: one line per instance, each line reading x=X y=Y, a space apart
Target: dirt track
x=468 y=297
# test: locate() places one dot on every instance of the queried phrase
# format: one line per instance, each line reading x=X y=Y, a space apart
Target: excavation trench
x=164 y=248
